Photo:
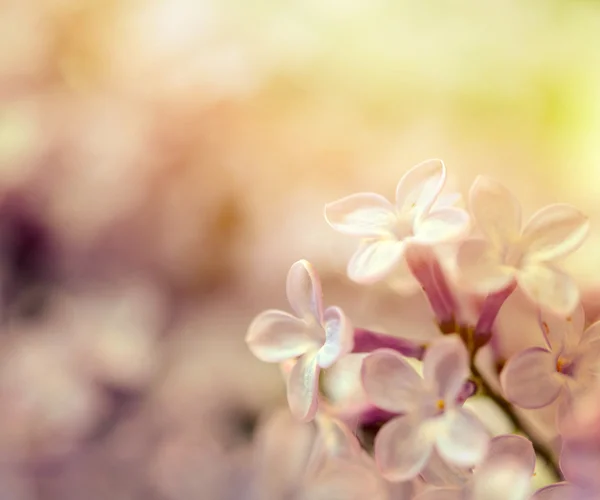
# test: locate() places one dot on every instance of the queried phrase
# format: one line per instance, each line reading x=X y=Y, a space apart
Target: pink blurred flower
x=321 y=462
x=315 y=337
x=527 y=255
x=580 y=432
x=504 y=474
x=432 y=415
x=535 y=377
x=387 y=229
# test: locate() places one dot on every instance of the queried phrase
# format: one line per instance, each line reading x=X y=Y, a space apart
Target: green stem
x=519 y=424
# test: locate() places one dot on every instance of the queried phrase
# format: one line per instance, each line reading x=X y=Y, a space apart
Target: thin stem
x=368 y=341
x=519 y=424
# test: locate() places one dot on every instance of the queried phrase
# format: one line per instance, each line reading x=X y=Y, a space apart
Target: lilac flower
x=535 y=377
x=387 y=229
x=322 y=462
x=432 y=417
x=527 y=255
x=505 y=474
x=314 y=338
x=580 y=432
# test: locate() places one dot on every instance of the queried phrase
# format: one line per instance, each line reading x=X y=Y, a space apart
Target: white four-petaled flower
x=314 y=338
x=505 y=474
x=419 y=216
x=535 y=377
x=527 y=255
x=432 y=417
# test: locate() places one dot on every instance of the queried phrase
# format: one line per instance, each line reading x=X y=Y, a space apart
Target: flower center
x=512 y=255
x=440 y=405
x=403 y=227
x=565 y=366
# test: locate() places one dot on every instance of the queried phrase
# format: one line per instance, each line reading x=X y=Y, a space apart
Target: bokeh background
x=163 y=162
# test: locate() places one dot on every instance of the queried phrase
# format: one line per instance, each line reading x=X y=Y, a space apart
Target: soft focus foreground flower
x=432 y=416
x=505 y=474
x=315 y=337
x=322 y=462
x=536 y=376
x=387 y=229
x=580 y=432
x=527 y=255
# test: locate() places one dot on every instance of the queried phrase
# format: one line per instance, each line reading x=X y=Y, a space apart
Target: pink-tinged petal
x=374 y=260
x=441 y=494
x=343 y=480
x=501 y=480
x=495 y=210
x=402 y=449
x=438 y=472
x=362 y=214
x=390 y=382
x=281 y=452
x=512 y=447
x=302 y=387
x=481 y=268
x=419 y=188
x=560 y=491
x=339 y=337
x=338 y=439
x=550 y=288
x=275 y=336
x=530 y=379
x=462 y=440
x=562 y=331
x=442 y=225
x=580 y=462
x=448 y=200
x=446 y=368
x=555 y=231
x=303 y=288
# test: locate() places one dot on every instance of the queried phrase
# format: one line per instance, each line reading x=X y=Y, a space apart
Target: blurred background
x=163 y=162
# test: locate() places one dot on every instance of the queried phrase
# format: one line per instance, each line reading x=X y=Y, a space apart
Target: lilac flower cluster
x=432 y=446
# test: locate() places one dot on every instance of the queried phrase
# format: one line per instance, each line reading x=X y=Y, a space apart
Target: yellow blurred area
x=180 y=152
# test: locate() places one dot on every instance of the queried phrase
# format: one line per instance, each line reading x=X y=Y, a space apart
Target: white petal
x=339 y=441
x=446 y=367
x=420 y=186
x=303 y=288
x=402 y=449
x=481 y=268
x=361 y=214
x=343 y=480
x=550 y=288
x=339 y=337
x=442 y=225
x=529 y=379
x=374 y=260
x=441 y=494
x=302 y=387
x=438 y=472
x=390 y=382
x=281 y=451
x=276 y=336
x=555 y=231
x=462 y=440
x=501 y=480
x=496 y=211
x=514 y=448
